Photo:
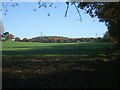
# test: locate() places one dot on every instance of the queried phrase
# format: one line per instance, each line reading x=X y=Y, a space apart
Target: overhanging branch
x=78 y=12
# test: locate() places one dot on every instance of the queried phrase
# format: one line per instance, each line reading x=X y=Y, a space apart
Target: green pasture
x=92 y=49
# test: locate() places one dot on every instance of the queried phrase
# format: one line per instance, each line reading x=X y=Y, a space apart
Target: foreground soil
x=60 y=72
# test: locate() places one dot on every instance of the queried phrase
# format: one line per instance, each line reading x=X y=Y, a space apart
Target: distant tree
x=4 y=35
x=25 y=40
x=99 y=39
x=17 y=39
x=7 y=36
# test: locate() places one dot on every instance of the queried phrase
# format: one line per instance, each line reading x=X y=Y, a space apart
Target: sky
x=22 y=21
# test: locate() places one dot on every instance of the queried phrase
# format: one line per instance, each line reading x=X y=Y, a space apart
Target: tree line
x=6 y=36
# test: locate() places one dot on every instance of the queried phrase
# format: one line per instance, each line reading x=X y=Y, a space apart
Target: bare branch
x=78 y=12
x=67 y=9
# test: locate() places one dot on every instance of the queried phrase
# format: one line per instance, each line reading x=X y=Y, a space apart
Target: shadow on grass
x=59 y=50
x=60 y=73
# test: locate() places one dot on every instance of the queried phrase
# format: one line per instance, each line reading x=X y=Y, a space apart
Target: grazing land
x=25 y=49
x=45 y=65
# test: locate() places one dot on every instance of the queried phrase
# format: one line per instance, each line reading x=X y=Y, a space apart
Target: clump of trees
x=6 y=36
x=25 y=40
x=58 y=39
x=17 y=39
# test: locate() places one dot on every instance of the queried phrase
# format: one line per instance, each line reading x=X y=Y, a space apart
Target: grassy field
x=93 y=49
x=45 y=65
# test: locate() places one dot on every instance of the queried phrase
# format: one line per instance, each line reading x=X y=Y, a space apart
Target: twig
x=78 y=11
x=66 y=10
